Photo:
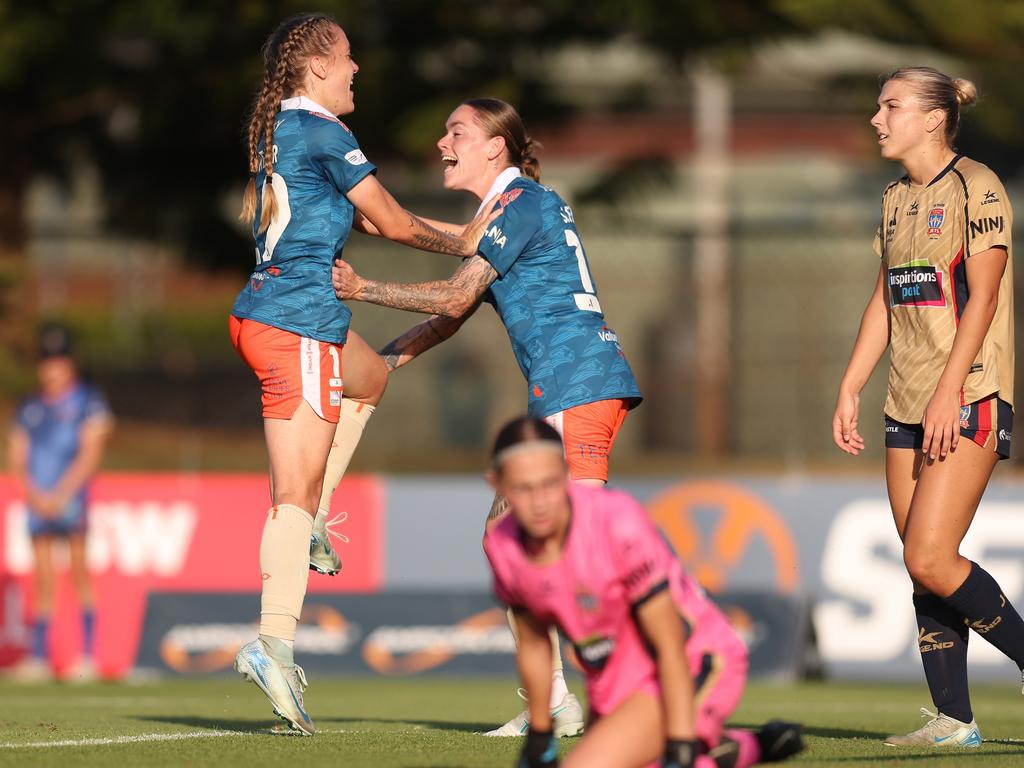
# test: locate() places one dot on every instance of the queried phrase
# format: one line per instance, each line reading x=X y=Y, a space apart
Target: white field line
x=137 y=739
x=147 y=737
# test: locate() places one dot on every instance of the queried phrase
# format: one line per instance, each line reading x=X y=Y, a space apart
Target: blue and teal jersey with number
x=317 y=162
x=547 y=299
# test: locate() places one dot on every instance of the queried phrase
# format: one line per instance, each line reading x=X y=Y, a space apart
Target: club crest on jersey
x=936 y=216
x=509 y=196
x=965 y=416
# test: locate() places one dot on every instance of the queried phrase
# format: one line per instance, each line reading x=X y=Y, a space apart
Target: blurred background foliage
x=151 y=98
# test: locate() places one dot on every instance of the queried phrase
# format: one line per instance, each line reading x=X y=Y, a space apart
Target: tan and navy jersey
x=926 y=235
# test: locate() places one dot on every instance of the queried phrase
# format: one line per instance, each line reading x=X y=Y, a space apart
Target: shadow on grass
x=440 y=725
x=210 y=723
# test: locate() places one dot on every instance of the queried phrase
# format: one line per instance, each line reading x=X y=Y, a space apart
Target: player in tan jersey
x=943 y=300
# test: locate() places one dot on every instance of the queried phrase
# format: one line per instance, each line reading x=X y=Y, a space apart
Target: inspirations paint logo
x=916 y=284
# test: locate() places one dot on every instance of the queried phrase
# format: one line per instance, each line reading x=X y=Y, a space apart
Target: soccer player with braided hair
x=943 y=305
x=532 y=267
x=308 y=179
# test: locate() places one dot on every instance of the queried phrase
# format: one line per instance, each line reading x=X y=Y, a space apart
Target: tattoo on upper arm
x=498 y=508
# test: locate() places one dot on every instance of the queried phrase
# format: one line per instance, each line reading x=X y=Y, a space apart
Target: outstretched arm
x=422 y=337
x=453 y=297
x=380 y=214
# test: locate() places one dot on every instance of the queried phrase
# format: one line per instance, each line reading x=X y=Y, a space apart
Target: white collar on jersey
x=505 y=178
x=302 y=102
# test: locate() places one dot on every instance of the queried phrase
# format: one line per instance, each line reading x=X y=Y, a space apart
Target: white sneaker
x=940 y=731
x=322 y=557
x=30 y=669
x=567 y=716
x=282 y=684
x=83 y=672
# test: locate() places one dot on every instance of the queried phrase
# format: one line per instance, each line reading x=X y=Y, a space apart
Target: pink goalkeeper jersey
x=614 y=558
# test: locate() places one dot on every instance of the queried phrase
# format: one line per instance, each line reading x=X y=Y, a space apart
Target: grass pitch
x=391 y=723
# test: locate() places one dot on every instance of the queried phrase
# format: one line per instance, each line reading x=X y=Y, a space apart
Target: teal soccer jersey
x=548 y=303
x=317 y=162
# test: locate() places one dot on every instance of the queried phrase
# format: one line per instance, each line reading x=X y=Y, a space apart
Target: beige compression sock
x=284 y=564
x=351 y=422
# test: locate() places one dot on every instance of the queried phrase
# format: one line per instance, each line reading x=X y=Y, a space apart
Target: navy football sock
x=942 y=641
x=987 y=611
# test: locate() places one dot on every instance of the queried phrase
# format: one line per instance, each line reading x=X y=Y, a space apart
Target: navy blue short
x=987 y=420
x=71 y=521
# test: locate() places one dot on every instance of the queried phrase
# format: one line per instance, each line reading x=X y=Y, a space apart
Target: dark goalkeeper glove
x=680 y=753
x=539 y=751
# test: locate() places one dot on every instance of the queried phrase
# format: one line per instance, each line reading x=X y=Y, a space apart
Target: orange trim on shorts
x=290 y=368
x=588 y=433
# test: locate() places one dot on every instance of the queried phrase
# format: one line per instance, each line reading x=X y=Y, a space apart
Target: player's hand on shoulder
x=844 y=424
x=345 y=280
x=475 y=230
x=941 y=423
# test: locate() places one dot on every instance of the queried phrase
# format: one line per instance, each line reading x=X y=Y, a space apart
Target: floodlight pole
x=712 y=115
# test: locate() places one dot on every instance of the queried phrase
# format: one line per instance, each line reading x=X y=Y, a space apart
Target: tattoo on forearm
x=432 y=239
x=418 y=340
x=449 y=297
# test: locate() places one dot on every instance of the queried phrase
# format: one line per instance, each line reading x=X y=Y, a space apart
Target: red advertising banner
x=169 y=532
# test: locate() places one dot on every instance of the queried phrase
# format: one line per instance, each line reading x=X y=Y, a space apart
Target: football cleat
x=283 y=684
x=567 y=716
x=779 y=740
x=940 y=731
x=322 y=557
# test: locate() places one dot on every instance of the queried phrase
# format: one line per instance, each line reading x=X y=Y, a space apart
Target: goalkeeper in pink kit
x=664 y=669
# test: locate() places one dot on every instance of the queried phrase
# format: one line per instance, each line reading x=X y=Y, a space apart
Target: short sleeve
x=338 y=153
x=96 y=407
x=643 y=559
x=989 y=215
x=509 y=235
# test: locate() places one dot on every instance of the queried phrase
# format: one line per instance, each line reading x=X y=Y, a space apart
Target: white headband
x=529 y=445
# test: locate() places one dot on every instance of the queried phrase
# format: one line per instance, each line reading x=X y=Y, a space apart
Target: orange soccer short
x=588 y=433
x=291 y=368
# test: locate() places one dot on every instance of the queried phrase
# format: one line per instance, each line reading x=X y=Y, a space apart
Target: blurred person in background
x=308 y=178
x=531 y=266
x=943 y=301
x=56 y=446
x=664 y=668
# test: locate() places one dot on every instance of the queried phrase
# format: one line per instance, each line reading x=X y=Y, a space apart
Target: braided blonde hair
x=285 y=55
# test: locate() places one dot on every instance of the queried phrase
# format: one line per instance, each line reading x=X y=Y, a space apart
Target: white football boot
x=940 y=731
x=567 y=719
x=283 y=684
x=322 y=557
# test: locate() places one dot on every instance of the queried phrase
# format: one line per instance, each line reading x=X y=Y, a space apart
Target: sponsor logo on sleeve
x=936 y=217
x=990 y=197
x=497 y=236
x=510 y=196
x=356 y=157
x=986 y=224
x=916 y=284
